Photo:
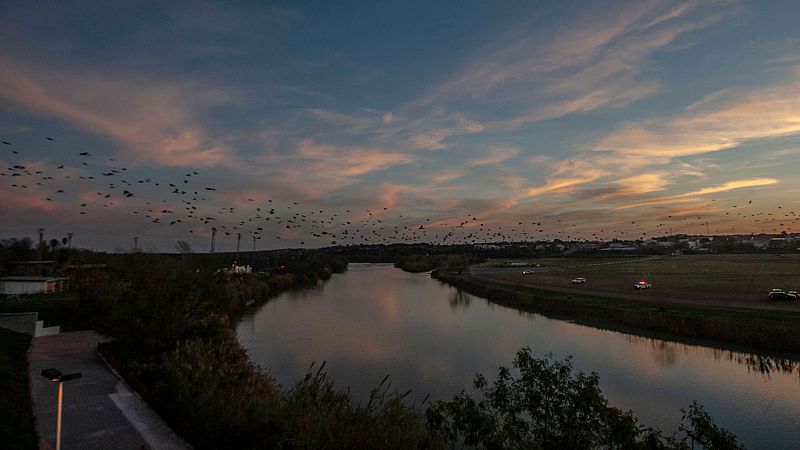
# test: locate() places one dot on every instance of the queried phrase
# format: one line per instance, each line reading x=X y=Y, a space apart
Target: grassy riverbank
x=17 y=424
x=762 y=329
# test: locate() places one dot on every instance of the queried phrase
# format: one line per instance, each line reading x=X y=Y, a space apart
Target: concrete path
x=99 y=411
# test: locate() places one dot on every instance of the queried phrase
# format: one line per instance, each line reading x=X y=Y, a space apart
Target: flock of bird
x=192 y=207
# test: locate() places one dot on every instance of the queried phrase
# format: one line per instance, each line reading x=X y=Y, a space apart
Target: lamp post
x=55 y=376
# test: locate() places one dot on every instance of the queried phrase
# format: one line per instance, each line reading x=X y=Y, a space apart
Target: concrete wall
x=27 y=323
x=22 y=287
x=42 y=330
x=20 y=322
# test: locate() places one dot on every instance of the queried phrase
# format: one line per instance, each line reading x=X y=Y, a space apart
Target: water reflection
x=666 y=353
x=459 y=298
x=377 y=320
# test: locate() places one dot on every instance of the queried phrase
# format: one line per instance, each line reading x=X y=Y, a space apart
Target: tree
x=547 y=406
x=457 y=263
x=183 y=247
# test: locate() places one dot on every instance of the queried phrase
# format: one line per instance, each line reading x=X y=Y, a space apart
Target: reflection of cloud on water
x=435 y=368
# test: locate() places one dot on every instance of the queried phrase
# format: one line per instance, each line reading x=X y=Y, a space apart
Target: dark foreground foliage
x=547 y=406
x=17 y=426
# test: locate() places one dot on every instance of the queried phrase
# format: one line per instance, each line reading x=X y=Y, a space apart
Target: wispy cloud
x=312 y=169
x=568 y=176
x=495 y=155
x=729 y=186
x=597 y=61
x=155 y=122
x=723 y=120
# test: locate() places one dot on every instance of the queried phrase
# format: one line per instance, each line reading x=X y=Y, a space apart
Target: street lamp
x=56 y=376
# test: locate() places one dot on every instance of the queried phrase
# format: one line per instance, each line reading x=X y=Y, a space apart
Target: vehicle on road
x=579 y=280
x=527 y=272
x=780 y=294
x=642 y=285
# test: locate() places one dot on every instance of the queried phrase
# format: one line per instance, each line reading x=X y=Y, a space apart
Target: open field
x=722 y=281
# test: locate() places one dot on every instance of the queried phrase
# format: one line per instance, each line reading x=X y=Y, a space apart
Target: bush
x=319 y=416
x=216 y=397
x=17 y=424
x=546 y=406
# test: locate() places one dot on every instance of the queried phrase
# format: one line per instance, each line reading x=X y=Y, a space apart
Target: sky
x=465 y=121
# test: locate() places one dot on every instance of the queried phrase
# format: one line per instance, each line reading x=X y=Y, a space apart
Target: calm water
x=376 y=320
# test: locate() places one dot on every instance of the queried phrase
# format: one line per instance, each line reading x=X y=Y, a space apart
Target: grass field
x=736 y=281
x=17 y=425
x=753 y=330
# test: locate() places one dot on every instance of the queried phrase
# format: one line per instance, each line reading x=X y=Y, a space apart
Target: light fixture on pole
x=55 y=376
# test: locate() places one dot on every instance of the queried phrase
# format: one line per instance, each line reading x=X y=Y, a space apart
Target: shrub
x=547 y=406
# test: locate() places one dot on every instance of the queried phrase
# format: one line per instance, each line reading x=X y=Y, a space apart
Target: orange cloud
x=495 y=155
x=567 y=176
x=154 y=121
x=720 y=121
x=344 y=161
x=689 y=196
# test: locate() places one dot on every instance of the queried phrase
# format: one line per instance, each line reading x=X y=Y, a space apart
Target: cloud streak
x=153 y=121
x=722 y=120
x=729 y=186
x=596 y=62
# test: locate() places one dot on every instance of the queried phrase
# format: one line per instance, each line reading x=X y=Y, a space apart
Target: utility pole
x=707 y=232
x=41 y=251
x=135 y=244
x=238 y=241
x=213 y=235
x=254 y=242
x=41 y=246
x=69 y=240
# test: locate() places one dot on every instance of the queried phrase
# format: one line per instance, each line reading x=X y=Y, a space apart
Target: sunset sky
x=635 y=118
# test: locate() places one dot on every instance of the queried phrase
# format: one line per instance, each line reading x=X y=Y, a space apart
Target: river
x=375 y=320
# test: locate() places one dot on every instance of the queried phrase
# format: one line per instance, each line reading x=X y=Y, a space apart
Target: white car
x=528 y=272
x=579 y=280
x=642 y=285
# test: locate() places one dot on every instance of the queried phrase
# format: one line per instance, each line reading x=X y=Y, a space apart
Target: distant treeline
x=15 y=250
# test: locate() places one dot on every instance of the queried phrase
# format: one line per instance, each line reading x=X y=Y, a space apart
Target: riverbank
x=774 y=331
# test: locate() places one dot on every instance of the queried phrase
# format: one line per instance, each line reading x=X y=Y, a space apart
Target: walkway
x=100 y=411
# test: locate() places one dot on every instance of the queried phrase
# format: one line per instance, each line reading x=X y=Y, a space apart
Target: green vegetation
x=547 y=406
x=17 y=424
x=729 y=279
x=54 y=309
x=425 y=263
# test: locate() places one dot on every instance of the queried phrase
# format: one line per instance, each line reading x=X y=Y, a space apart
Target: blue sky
x=607 y=119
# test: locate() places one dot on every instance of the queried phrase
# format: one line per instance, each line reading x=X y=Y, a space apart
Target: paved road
x=99 y=411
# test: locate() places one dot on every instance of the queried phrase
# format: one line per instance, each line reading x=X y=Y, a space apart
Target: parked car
x=579 y=280
x=642 y=285
x=780 y=294
x=527 y=271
